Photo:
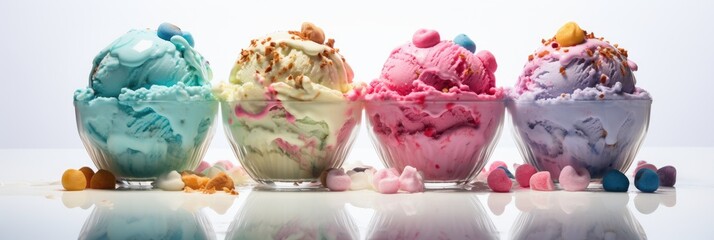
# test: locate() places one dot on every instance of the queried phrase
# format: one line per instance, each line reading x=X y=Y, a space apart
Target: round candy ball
x=168 y=30
x=615 y=181
x=465 y=42
x=103 y=179
x=667 y=176
x=498 y=181
x=646 y=180
x=73 y=180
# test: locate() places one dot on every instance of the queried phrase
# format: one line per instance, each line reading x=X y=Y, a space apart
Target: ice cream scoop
x=149 y=108
x=576 y=104
x=289 y=107
x=435 y=107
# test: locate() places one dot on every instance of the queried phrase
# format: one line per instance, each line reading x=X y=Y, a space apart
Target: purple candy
x=667 y=176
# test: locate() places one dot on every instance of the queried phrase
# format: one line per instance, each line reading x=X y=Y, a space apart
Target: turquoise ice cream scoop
x=149 y=108
x=144 y=58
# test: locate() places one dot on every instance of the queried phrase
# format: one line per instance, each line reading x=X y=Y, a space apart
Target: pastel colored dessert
x=290 y=108
x=576 y=104
x=149 y=108
x=436 y=107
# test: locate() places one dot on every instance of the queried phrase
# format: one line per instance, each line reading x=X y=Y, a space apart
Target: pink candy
x=338 y=180
x=424 y=38
x=386 y=181
x=389 y=180
x=572 y=179
x=643 y=164
x=524 y=173
x=497 y=164
x=202 y=166
x=541 y=181
x=498 y=181
x=410 y=180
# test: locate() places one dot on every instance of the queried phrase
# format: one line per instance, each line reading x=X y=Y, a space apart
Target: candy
x=646 y=180
x=424 y=38
x=189 y=38
x=386 y=181
x=541 y=181
x=570 y=34
x=74 y=180
x=337 y=180
x=360 y=180
x=103 y=179
x=193 y=181
x=312 y=32
x=508 y=173
x=88 y=174
x=170 y=182
x=667 y=176
x=615 y=181
x=499 y=181
x=572 y=179
x=465 y=42
x=524 y=173
x=220 y=182
x=410 y=180
x=644 y=165
x=202 y=166
x=497 y=164
x=225 y=164
x=168 y=30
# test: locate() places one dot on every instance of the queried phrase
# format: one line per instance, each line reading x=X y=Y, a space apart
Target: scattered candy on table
x=647 y=180
x=667 y=176
x=541 y=181
x=386 y=181
x=572 y=179
x=499 y=181
x=338 y=180
x=411 y=180
x=170 y=182
x=524 y=173
x=88 y=174
x=643 y=164
x=508 y=172
x=615 y=181
x=103 y=179
x=73 y=180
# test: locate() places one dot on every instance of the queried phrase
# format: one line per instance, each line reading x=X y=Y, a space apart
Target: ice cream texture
x=576 y=104
x=149 y=107
x=436 y=107
x=290 y=106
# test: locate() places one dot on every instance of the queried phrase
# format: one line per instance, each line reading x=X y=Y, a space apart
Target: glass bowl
x=288 y=144
x=138 y=141
x=297 y=215
x=592 y=134
x=449 y=142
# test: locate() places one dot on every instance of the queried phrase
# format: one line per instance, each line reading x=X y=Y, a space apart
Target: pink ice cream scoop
x=435 y=107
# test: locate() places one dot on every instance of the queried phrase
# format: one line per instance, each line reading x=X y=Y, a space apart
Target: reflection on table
x=293 y=215
x=147 y=215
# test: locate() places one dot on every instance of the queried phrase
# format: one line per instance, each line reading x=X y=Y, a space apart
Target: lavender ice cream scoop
x=576 y=104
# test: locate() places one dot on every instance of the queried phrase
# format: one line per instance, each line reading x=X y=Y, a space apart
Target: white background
x=47 y=47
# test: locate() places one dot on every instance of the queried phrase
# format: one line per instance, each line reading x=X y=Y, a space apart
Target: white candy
x=360 y=180
x=171 y=182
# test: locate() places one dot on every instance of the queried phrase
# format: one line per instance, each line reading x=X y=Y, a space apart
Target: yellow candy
x=570 y=34
x=73 y=180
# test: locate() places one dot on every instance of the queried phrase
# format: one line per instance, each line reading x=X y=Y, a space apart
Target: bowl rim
x=76 y=101
x=554 y=101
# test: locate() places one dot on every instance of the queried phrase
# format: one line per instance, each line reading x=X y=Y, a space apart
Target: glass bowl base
x=135 y=185
x=290 y=187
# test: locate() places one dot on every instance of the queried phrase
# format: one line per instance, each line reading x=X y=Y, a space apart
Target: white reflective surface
x=33 y=209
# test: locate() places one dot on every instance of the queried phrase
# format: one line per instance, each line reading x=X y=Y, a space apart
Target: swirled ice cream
x=436 y=107
x=149 y=107
x=290 y=107
x=576 y=104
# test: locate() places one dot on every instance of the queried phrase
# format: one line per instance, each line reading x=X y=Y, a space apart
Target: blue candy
x=508 y=173
x=646 y=180
x=465 y=42
x=615 y=181
x=168 y=30
x=188 y=37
